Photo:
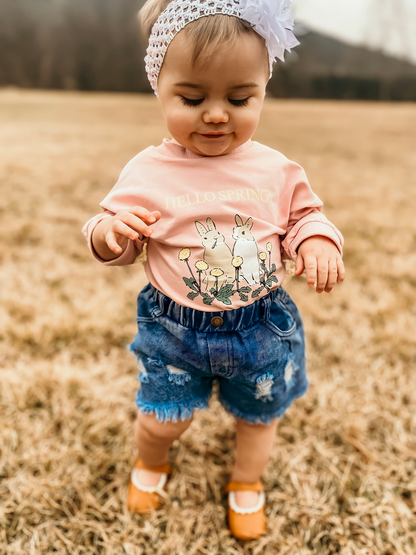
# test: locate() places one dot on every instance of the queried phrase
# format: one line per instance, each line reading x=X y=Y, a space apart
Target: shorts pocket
x=281 y=321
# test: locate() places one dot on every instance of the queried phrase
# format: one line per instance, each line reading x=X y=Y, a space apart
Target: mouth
x=213 y=136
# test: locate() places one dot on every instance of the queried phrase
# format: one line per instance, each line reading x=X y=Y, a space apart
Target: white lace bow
x=271 y=19
x=274 y=21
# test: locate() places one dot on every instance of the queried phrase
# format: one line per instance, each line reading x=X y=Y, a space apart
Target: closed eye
x=191 y=101
x=242 y=102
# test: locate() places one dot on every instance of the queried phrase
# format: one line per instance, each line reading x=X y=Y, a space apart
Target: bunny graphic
x=217 y=254
x=246 y=247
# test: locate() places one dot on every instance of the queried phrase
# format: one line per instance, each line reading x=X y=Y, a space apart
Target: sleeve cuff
x=127 y=257
x=311 y=229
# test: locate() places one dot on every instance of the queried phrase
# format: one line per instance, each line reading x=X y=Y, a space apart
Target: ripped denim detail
x=289 y=374
x=155 y=363
x=143 y=376
x=263 y=387
x=178 y=376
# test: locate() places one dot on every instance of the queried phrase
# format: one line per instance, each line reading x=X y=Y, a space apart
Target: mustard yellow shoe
x=250 y=523
x=142 y=499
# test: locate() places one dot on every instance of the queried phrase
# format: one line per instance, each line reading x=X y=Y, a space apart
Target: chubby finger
x=332 y=275
x=112 y=243
x=341 y=270
x=144 y=214
x=121 y=228
x=137 y=226
x=311 y=268
x=322 y=278
x=300 y=266
x=156 y=214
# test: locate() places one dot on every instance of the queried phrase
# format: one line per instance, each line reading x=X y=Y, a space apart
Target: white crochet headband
x=271 y=19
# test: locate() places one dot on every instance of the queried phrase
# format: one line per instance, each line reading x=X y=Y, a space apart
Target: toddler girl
x=217 y=212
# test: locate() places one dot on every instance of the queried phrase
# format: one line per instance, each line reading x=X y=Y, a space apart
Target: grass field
x=343 y=474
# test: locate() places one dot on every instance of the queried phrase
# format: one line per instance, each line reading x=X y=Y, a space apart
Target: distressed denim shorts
x=256 y=354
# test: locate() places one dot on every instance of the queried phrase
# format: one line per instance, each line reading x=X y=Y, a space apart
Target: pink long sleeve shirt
x=226 y=221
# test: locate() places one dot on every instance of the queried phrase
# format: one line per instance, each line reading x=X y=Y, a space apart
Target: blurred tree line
x=95 y=45
x=71 y=44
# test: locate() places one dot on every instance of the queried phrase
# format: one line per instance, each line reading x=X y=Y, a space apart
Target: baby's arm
x=311 y=240
x=111 y=235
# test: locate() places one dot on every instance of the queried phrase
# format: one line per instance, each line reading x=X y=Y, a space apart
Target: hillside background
x=95 y=45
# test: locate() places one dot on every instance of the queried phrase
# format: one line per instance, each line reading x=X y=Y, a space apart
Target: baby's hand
x=130 y=224
x=113 y=233
x=322 y=261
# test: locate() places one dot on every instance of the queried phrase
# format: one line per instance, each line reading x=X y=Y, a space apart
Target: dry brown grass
x=342 y=477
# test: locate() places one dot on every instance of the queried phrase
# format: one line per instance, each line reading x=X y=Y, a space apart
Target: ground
x=342 y=476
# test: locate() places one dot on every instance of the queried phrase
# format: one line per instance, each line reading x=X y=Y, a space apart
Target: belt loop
x=165 y=304
x=263 y=309
x=267 y=303
x=161 y=301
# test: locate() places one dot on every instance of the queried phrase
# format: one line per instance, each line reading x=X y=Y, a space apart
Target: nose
x=215 y=114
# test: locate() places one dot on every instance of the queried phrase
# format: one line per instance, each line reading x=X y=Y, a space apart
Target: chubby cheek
x=180 y=122
x=246 y=122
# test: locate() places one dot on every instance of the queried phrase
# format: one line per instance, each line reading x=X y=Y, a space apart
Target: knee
x=152 y=429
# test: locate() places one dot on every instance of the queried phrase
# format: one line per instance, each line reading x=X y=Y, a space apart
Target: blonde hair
x=208 y=34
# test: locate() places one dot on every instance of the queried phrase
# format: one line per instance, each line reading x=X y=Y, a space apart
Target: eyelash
x=242 y=102
x=193 y=103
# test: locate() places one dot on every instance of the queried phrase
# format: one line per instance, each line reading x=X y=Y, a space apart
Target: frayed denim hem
x=174 y=411
x=262 y=419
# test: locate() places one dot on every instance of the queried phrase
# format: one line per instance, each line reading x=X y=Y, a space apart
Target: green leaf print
x=257 y=292
x=226 y=290
x=273 y=269
x=245 y=289
x=207 y=299
x=224 y=296
x=243 y=297
x=190 y=283
x=192 y=296
x=225 y=301
x=271 y=280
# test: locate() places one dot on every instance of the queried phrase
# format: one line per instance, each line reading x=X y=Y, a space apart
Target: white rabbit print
x=221 y=271
x=245 y=246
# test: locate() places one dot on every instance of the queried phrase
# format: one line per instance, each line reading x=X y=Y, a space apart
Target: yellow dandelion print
x=263 y=256
x=269 y=247
x=237 y=261
x=201 y=265
x=184 y=254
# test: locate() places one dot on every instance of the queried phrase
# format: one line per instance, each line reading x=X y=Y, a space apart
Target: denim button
x=217 y=321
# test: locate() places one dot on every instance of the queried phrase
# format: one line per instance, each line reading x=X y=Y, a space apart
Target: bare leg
x=153 y=440
x=254 y=443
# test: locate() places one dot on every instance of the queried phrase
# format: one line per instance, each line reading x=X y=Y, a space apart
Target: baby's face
x=215 y=107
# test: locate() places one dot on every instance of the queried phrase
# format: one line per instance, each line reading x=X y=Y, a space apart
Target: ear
x=249 y=223
x=238 y=220
x=210 y=224
x=201 y=229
